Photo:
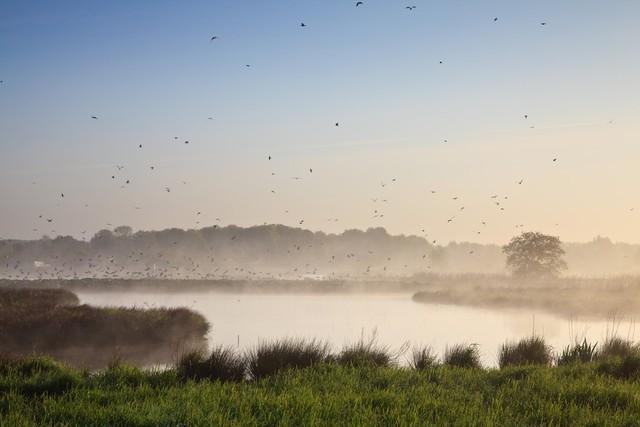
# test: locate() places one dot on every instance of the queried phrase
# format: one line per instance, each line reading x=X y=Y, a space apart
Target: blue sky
x=149 y=72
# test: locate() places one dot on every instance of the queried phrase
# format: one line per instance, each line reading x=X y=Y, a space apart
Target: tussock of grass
x=527 y=351
x=271 y=357
x=615 y=347
x=222 y=364
x=368 y=352
x=422 y=358
x=583 y=352
x=462 y=356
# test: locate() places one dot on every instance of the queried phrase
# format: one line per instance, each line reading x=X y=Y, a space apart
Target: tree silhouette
x=534 y=255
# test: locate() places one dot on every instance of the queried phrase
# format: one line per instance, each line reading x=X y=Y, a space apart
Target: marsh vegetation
x=51 y=322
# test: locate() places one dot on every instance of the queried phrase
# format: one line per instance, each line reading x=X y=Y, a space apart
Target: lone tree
x=534 y=255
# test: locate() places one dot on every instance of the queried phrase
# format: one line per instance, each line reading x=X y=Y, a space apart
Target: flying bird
x=495 y=19
x=302 y=24
x=213 y=38
x=94 y=117
x=410 y=7
x=359 y=3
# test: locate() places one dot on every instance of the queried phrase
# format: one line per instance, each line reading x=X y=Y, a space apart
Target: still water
x=244 y=320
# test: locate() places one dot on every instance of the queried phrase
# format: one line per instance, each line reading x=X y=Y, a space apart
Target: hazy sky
x=149 y=72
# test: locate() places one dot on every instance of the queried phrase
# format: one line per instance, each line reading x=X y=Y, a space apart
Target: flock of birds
x=158 y=265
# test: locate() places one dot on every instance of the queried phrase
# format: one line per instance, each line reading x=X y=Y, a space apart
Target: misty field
x=50 y=321
x=42 y=392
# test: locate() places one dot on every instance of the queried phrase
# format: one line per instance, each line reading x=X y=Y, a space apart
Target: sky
x=431 y=106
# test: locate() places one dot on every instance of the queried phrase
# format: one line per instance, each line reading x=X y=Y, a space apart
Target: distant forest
x=277 y=251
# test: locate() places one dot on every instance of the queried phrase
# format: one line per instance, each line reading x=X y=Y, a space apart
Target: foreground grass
x=42 y=392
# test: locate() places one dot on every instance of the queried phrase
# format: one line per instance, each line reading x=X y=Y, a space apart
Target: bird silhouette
x=359 y=3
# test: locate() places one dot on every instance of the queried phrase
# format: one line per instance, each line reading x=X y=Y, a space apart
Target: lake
x=243 y=320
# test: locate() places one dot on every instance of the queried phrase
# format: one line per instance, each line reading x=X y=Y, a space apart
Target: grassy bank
x=563 y=297
x=42 y=392
x=50 y=321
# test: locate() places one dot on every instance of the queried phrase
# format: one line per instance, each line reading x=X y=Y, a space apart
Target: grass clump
x=583 y=352
x=222 y=364
x=271 y=357
x=462 y=356
x=527 y=351
x=615 y=347
x=367 y=352
x=422 y=358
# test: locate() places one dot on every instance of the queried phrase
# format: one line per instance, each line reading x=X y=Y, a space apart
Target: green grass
x=579 y=352
x=47 y=393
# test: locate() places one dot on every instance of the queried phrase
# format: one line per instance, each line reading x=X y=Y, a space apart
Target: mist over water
x=244 y=320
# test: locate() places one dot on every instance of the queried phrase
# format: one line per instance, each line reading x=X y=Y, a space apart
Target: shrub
x=223 y=364
x=422 y=358
x=271 y=357
x=462 y=356
x=578 y=353
x=528 y=351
